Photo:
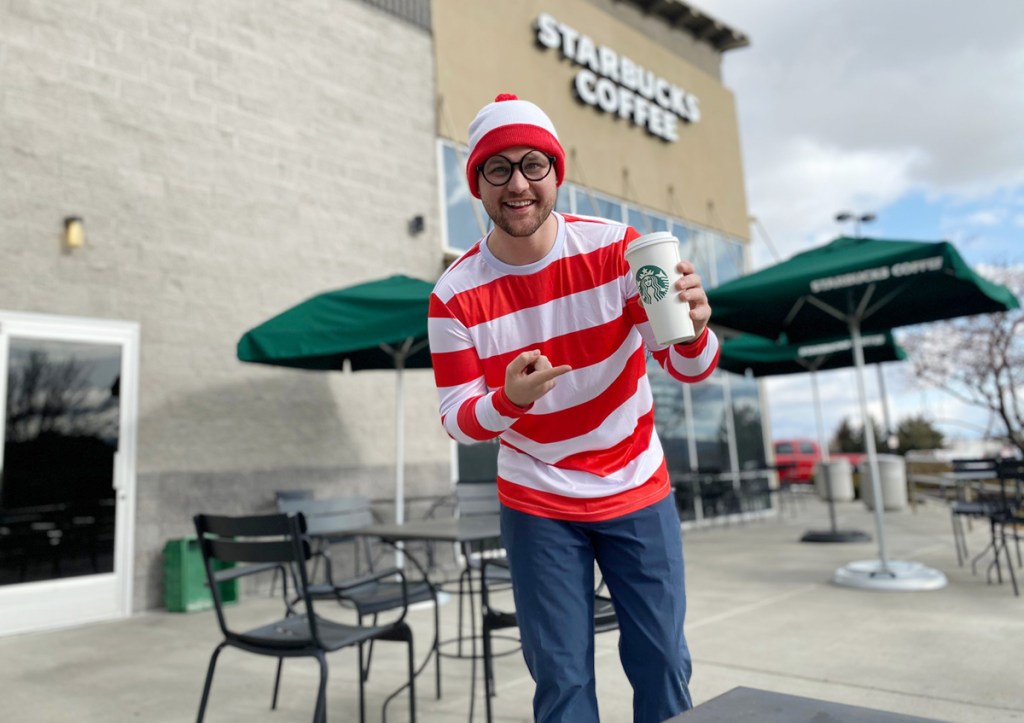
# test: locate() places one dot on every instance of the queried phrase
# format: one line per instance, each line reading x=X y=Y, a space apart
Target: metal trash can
x=840 y=474
x=892 y=474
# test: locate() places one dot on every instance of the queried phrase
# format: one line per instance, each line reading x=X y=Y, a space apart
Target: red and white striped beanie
x=509 y=122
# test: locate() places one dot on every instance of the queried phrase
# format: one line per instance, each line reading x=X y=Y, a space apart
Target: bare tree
x=979 y=359
x=48 y=396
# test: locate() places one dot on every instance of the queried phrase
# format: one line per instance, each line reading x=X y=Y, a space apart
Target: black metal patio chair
x=975 y=500
x=1009 y=517
x=233 y=547
x=337 y=520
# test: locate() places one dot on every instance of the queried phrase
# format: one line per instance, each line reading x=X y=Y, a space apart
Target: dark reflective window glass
x=746 y=411
x=670 y=422
x=61 y=432
x=709 y=424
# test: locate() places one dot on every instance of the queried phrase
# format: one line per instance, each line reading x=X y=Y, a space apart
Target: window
x=564 y=202
x=683 y=232
x=728 y=260
x=647 y=221
x=589 y=203
x=746 y=413
x=670 y=418
x=702 y=254
x=464 y=218
x=709 y=425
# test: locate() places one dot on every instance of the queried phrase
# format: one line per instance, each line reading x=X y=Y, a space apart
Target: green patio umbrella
x=379 y=324
x=762 y=357
x=852 y=286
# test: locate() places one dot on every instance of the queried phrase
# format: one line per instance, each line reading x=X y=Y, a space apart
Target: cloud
x=812 y=181
x=917 y=95
x=987 y=217
x=911 y=108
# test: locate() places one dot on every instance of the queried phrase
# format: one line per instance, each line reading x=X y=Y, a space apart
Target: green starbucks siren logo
x=653 y=284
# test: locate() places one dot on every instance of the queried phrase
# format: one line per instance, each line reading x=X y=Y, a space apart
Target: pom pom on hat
x=509 y=122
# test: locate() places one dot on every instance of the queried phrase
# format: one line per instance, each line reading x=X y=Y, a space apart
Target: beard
x=521 y=225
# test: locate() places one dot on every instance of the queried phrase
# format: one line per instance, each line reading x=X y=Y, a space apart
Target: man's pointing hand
x=530 y=376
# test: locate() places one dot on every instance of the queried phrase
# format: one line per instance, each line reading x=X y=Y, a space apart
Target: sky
x=911 y=110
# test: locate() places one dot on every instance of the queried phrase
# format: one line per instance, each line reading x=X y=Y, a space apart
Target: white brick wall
x=229 y=158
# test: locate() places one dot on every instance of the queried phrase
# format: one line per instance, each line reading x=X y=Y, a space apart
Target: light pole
x=857 y=218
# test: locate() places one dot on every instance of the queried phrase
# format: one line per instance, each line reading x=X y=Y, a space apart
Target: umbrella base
x=835 y=536
x=896 y=576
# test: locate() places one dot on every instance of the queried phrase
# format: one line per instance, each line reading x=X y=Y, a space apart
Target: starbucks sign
x=615 y=84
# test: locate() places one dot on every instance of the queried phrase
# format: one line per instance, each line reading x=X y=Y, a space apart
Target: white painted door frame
x=71 y=601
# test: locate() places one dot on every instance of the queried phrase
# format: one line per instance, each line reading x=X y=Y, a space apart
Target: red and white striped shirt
x=587 y=450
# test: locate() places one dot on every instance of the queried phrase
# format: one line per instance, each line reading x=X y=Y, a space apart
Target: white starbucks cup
x=652 y=260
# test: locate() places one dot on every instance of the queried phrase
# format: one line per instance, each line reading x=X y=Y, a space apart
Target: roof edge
x=703 y=27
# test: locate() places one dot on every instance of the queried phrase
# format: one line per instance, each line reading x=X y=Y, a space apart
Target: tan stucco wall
x=485 y=48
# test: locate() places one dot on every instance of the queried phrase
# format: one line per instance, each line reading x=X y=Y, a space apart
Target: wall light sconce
x=74 y=232
x=416 y=225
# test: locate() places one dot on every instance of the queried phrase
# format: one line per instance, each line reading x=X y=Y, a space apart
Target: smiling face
x=519 y=208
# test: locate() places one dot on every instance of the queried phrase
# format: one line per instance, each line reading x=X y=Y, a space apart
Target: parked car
x=795 y=459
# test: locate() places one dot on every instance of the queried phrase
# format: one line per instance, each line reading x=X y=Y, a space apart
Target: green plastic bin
x=185 y=588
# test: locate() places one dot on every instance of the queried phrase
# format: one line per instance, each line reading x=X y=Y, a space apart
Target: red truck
x=796 y=459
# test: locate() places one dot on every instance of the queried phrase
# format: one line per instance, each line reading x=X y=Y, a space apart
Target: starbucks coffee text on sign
x=615 y=84
x=878 y=273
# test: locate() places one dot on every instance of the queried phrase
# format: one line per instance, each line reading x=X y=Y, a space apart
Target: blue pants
x=640 y=556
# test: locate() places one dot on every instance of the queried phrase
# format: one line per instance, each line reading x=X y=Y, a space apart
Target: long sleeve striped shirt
x=587 y=450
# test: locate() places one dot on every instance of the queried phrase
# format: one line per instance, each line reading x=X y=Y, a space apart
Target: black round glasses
x=498 y=170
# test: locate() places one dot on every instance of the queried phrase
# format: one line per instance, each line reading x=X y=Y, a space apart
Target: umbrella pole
x=869 y=446
x=885 y=404
x=881 y=574
x=826 y=471
x=399 y=445
x=399 y=450
x=819 y=420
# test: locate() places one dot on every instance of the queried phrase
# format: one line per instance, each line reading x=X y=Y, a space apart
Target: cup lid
x=649 y=239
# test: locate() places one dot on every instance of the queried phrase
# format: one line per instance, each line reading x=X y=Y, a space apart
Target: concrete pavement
x=762 y=614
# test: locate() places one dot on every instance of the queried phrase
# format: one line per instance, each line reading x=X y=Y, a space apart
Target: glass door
x=67 y=410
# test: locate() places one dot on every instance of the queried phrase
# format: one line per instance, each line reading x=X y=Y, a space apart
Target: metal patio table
x=457 y=530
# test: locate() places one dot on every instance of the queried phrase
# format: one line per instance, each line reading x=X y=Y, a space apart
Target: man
x=538 y=338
